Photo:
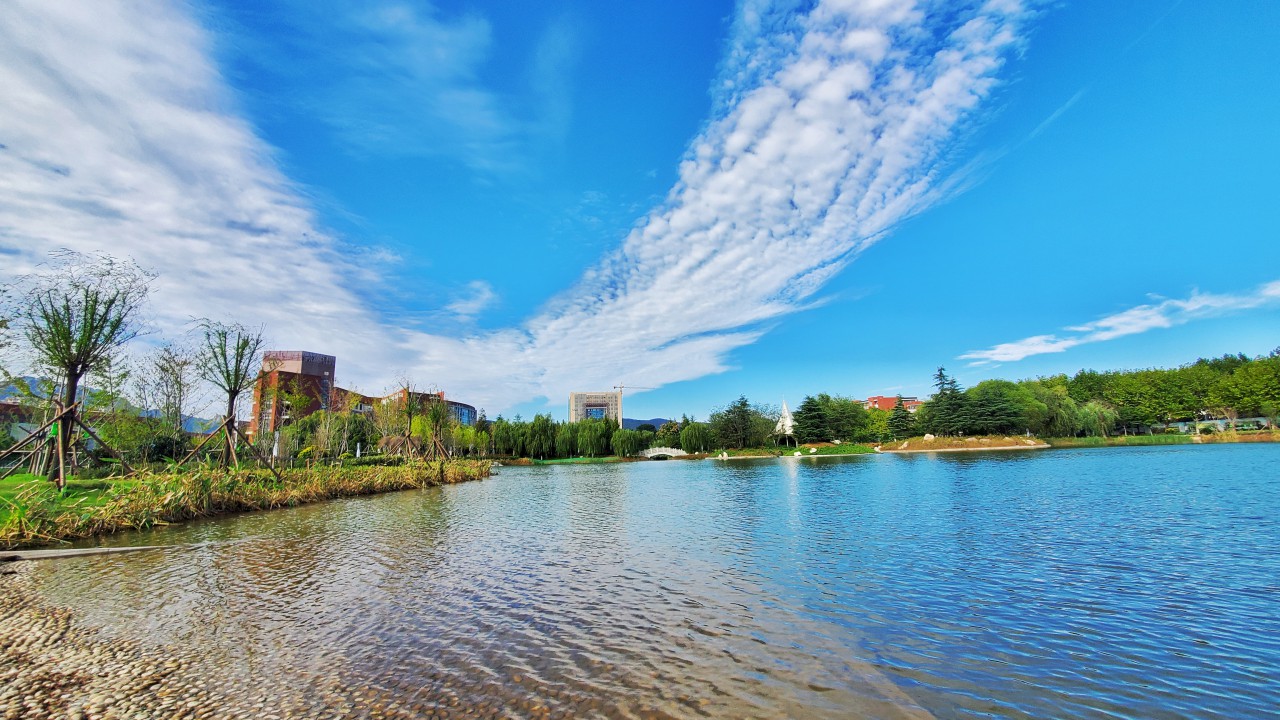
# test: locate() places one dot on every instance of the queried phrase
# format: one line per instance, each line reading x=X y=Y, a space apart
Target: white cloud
x=119 y=135
x=403 y=78
x=830 y=128
x=480 y=295
x=1134 y=321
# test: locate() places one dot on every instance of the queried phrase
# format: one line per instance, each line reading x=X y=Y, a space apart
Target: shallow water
x=1137 y=582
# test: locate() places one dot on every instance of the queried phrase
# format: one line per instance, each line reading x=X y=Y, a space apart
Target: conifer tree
x=902 y=424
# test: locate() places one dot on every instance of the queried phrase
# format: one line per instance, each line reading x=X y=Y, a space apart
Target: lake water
x=1135 y=583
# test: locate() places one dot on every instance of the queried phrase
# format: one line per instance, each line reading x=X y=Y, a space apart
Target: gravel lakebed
x=54 y=666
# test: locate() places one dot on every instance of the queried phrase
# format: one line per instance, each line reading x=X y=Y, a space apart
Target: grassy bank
x=1120 y=441
x=33 y=513
x=1148 y=440
x=807 y=449
x=587 y=460
x=956 y=444
x=832 y=449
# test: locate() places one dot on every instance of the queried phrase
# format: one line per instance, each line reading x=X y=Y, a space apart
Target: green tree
x=993 y=408
x=1097 y=419
x=171 y=372
x=541 y=441
x=627 y=442
x=695 y=438
x=811 y=421
x=668 y=435
x=229 y=358
x=948 y=411
x=732 y=424
x=1061 y=417
x=902 y=424
x=593 y=438
x=75 y=315
x=567 y=439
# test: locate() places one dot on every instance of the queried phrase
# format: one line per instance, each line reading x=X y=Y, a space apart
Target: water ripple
x=1108 y=584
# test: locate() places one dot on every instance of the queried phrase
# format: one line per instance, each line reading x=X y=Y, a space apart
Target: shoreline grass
x=588 y=460
x=963 y=444
x=36 y=514
x=1120 y=441
x=1227 y=437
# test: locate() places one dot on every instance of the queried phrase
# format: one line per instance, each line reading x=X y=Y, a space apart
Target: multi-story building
x=462 y=412
x=596 y=405
x=295 y=383
x=884 y=402
x=292 y=384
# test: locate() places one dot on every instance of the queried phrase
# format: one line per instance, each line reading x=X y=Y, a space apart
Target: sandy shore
x=980 y=448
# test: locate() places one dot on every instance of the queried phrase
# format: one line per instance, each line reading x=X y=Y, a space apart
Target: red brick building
x=307 y=379
x=304 y=377
x=883 y=402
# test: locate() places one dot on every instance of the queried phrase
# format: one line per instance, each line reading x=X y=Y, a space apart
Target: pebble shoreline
x=53 y=667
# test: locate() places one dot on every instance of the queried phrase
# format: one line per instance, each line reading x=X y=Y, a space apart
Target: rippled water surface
x=1138 y=583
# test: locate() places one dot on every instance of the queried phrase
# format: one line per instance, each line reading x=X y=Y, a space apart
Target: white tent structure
x=786 y=427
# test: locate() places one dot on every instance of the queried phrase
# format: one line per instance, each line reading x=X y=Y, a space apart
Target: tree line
x=1093 y=403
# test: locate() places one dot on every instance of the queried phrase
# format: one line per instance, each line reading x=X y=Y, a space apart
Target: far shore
x=978 y=448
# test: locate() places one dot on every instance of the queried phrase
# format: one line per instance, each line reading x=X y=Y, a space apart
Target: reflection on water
x=1126 y=583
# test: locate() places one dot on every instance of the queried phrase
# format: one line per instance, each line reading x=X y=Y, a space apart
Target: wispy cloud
x=830 y=127
x=1062 y=109
x=1134 y=321
x=120 y=135
x=400 y=78
x=479 y=296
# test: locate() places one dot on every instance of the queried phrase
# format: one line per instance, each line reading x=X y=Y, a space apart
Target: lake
x=1136 y=582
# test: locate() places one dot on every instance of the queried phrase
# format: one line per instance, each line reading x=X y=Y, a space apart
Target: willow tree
x=229 y=358
x=76 y=314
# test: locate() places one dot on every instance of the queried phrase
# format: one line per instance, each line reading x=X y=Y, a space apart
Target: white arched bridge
x=662 y=452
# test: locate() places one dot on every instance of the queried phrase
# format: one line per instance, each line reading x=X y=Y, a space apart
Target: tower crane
x=620 y=388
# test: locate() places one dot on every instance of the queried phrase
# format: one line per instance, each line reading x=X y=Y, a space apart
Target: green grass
x=88 y=491
x=1120 y=441
x=34 y=513
x=586 y=460
x=841 y=449
x=755 y=452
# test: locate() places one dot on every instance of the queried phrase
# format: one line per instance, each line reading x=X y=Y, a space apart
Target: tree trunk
x=66 y=430
x=228 y=449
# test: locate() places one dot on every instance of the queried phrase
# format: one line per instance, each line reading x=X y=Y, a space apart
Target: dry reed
x=38 y=516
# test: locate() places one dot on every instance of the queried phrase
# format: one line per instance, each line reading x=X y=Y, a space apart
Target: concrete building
x=597 y=405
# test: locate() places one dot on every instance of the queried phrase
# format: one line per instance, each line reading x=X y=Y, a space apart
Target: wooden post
x=257 y=454
x=34 y=454
x=204 y=442
x=105 y=446
x=19 y=445
x=62 y=467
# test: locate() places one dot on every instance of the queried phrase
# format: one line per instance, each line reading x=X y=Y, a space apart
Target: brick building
x=307 y=379
x=886 y=403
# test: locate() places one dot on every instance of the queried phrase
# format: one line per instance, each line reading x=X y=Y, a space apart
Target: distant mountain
x=191 y=424
x=11 y=391
x=632 y=423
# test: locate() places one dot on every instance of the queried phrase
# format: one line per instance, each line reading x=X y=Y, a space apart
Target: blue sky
x=510 y=201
